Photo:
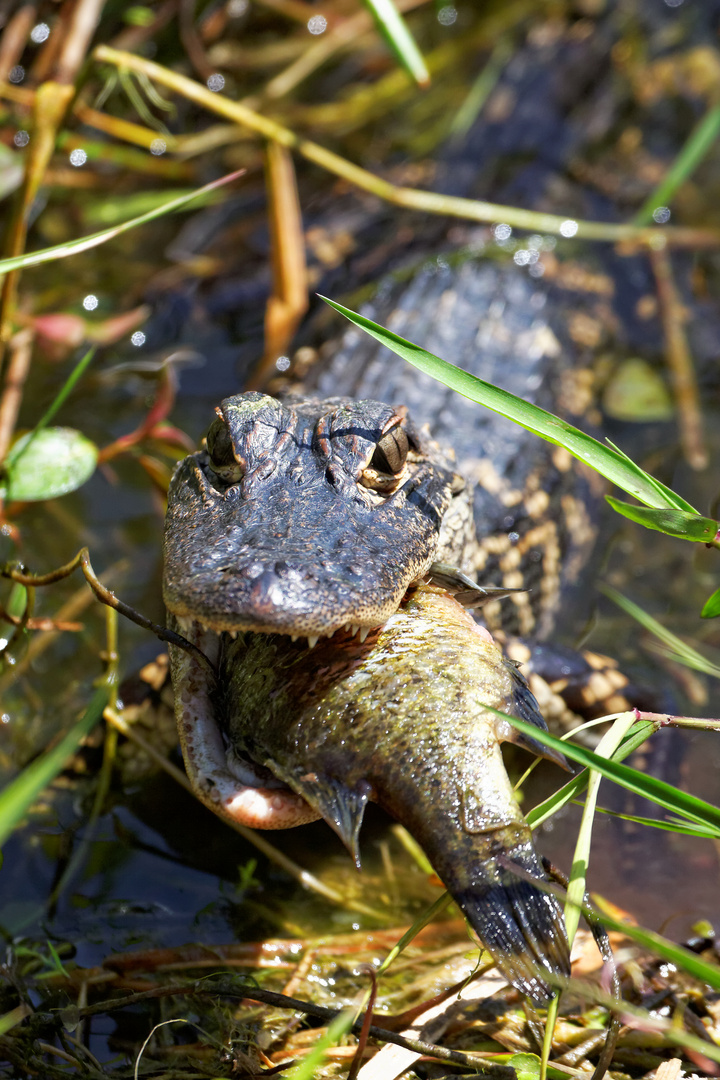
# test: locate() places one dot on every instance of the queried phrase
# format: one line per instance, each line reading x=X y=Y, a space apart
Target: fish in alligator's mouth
x=314 y=521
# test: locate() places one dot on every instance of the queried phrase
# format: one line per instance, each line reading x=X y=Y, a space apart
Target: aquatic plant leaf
x=711 y=607
x=605 y=459
x=528 y=1067
x=61 y=251
x=19 y=795
x=671 y=522
x=49 y=463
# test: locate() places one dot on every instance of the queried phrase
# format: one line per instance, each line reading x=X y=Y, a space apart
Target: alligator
x=311 y=519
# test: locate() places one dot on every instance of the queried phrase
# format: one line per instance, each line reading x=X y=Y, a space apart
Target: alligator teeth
x=364 y=632
x=294 y=637
x=312 y=642
x=233 y=634
x=346 y=627
x=354 y=629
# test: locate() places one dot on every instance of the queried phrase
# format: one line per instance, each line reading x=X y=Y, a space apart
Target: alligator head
x=298 y=520
x=301 y=519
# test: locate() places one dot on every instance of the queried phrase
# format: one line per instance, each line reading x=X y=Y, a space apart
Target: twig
x=288 y=301
x=412 y=198
x=105 y=596
x=17 y=372
x=191 y=42
x=14 y=37
x=679 y=362
x=280 y=1001
x=50 y=105
x=84 y=23
x=77 y=603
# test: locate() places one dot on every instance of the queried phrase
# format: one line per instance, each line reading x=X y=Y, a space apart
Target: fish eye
x=391 y=452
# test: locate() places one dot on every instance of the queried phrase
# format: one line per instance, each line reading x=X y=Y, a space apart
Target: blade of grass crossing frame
x=606 y=460
x=61 y=251
x=698 y=144
x=649 y=787
x=21 y=793
x=638 y=734
x=394 y=29
x=607 y=746
x=683 y=652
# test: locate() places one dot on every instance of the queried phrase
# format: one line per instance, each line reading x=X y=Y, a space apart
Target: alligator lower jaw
x=238 y=791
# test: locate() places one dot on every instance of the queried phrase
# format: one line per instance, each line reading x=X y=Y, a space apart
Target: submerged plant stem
x=412 y=198
x=680 y=363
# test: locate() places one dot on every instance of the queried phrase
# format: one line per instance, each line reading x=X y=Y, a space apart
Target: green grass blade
x=61 y=251
x=21 y=793
x=696 y=147
x=606 y=460
x=669 y=950
x=648 y=787
x=59 y=400
x=394 y=29
x=682 y=652
x=9 y=1020
x=667 y=496
x=638 y=734
x=676 y=523
x=673 y=825
x=307 y=1069
x=607 y=746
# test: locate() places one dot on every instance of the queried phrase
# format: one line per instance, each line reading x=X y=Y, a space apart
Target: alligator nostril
x=281 y=568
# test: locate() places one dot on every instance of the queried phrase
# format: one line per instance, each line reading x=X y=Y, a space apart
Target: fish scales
x=401 y=719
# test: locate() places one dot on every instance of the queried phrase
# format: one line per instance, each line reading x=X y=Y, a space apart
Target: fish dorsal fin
x=525 y=707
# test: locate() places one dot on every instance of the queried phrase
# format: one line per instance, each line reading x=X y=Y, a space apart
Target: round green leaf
x=49 y=463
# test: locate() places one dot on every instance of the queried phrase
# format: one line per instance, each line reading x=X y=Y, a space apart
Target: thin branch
x=680 y=363
x=412 y=198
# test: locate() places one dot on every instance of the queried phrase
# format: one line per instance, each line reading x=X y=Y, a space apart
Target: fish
x=404 y=719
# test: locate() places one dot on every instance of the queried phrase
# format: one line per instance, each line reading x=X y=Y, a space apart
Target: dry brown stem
x=680 y=363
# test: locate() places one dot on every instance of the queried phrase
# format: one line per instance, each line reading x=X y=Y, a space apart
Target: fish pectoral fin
x=466 y=591
x=525 y=707
x=340 y=806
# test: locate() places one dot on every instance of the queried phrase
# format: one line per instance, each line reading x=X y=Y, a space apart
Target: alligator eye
x=220 y=448
x=391 y=452
x=383 y=472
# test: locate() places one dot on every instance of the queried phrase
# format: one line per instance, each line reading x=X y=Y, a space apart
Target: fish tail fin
x=519 y=923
